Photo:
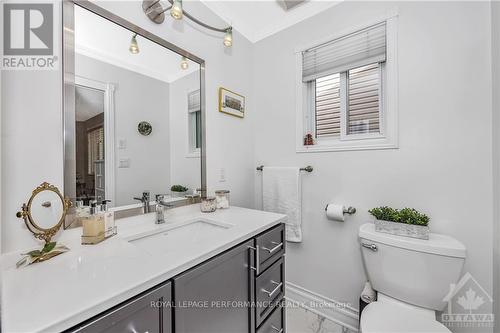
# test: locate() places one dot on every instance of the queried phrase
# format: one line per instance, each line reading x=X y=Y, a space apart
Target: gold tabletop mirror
x=44 y=214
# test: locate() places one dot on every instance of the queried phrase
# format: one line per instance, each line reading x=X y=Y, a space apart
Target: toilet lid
x=379 y=317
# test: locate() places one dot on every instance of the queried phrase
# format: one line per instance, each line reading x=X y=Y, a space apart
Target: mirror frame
x=39 y=232
x=68 y=88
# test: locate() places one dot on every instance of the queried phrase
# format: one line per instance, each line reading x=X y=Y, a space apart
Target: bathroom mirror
x=45 y=211
x=134 y=112
x=47 y=207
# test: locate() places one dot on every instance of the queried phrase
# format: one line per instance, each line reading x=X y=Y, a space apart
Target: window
x=95 y=148
x=358 y=103
x=194 y=119
x=344 y=91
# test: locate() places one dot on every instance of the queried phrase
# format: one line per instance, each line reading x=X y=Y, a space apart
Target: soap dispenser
x=93 y=226
x=109 y=219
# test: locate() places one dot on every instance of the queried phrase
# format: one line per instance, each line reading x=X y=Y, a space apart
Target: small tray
x=92 y=240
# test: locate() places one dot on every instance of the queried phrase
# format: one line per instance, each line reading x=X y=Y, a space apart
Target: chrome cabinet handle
x=272 y=292
x=277 y=329
x=372 y=247
x=278 y=245
x=257 y=263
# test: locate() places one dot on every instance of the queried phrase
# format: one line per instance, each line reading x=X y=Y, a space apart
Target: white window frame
x=305 y=111
x=192 y=152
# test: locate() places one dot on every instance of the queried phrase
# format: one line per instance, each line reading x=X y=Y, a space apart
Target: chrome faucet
x=160 y=209
x=145 y=201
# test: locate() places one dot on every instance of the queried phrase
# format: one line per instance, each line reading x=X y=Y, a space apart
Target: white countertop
x=70 y=288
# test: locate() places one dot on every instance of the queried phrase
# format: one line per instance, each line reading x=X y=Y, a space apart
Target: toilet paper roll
x=335 y=212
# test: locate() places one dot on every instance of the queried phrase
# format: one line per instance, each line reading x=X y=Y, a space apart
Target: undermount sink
x=169 y=238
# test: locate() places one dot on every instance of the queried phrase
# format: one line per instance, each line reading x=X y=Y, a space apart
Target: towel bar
x=307 y=168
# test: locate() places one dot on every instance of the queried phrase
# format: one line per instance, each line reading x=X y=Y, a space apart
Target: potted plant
x=178 y=191
x=404 y=222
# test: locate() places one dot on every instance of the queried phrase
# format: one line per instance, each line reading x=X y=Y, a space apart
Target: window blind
x=328 y=106
x=95 y=148
x=363 y=105
x=357 y=49
x=194 y=101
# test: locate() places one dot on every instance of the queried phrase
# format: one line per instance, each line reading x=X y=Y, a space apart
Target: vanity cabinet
x=275 y=322
x=214 y=297
x=238 y=291
x=149 y=312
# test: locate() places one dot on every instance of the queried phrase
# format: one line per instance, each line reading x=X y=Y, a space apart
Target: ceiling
x=259 y=19
x=103 y=40
x=88 y=103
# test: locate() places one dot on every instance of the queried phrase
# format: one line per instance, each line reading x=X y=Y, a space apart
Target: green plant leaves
x=178 y=188
x=405 y=215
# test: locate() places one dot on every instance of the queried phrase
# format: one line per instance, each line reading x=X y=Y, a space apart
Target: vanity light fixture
x=156 y=13
x=184 y=63
x=176 y=10
x=134 y=47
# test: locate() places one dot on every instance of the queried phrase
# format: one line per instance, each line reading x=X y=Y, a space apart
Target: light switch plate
x=122 y=143
x=124 y=163
x=222 y=178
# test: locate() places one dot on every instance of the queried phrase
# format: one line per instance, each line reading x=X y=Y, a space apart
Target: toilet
x=412 y=277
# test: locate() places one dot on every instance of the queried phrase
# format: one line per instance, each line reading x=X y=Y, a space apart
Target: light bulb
x=176 y=10
x=184 y=63
x=228 y=38
x=134 y=47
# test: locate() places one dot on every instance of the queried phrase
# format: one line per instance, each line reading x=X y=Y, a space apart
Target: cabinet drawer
x=271 y=246
x=269 y=289
x=136 y=315
x=275 y=323
x=220 y=291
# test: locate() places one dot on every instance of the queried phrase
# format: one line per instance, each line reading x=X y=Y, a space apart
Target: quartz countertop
x=57 y=294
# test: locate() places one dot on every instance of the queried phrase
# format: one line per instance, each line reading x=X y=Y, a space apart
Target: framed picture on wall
x=231 y=103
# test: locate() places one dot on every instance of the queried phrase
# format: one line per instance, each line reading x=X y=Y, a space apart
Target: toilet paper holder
x=349 y=210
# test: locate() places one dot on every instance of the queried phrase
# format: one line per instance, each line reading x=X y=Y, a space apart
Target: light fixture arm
x=155 y=11
x=165 y=10
x=195 y=20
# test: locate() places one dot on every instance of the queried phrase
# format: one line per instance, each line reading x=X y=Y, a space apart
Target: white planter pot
x=178 y=194
x=402 y=229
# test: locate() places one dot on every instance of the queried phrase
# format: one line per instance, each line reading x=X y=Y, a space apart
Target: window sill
x=346 y=146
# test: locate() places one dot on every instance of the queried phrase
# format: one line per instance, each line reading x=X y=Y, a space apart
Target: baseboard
x=335 y=311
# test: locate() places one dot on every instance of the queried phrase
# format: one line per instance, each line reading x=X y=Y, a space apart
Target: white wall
x=32 y=146
x=32 y=149
x=185 y=167
x=443 y=165
x=137 y=98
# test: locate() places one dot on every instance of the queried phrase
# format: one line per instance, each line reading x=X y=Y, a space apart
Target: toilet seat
x=381 y=317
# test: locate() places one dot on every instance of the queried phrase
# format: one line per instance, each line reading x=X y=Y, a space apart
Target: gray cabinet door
x=149 y=312
x=215 y=296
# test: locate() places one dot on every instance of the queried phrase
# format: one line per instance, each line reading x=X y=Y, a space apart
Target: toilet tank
x=415 y=271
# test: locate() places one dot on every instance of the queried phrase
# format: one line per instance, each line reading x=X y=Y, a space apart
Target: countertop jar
x=222 y=198
x=208 y=205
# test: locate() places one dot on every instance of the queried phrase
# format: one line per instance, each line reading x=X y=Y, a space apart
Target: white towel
x=281 y=193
